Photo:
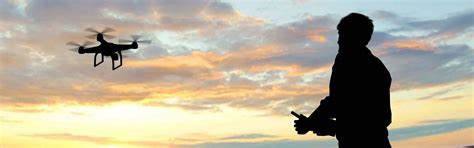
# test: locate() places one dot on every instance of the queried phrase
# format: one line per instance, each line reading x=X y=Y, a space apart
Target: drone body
x=107 y=49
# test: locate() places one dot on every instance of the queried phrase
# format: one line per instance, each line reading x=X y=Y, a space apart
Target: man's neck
x=352 y=49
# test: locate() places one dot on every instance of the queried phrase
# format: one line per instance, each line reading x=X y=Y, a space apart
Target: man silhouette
x=359 y=92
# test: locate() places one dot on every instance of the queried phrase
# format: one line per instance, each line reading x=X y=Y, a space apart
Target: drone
x=105 y=48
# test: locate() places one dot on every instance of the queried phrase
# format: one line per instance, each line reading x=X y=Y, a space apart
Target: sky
x=224 y=73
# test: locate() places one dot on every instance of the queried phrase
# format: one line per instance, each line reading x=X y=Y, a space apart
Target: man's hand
x=302 y=124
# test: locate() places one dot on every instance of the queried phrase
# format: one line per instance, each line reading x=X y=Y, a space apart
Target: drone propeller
x=135 y=38
x=103 y=32
x=86 y=43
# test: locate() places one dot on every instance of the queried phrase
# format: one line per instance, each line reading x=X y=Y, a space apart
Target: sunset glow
x=224 y=73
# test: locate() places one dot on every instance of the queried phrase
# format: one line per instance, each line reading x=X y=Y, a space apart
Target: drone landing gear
x=95 y=59
x=119 y=58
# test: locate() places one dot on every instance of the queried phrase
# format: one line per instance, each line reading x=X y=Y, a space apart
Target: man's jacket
x=359 y=95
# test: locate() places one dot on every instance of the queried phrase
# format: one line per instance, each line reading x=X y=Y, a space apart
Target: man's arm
x=320 y=119
x=325 y=109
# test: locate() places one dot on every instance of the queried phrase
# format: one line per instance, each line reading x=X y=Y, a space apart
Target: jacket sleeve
x=325 y=109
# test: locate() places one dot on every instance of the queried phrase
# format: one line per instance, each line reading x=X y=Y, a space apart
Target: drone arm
x=90 y=50
x=121 y=47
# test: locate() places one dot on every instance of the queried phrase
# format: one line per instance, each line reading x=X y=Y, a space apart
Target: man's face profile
x=349 y=37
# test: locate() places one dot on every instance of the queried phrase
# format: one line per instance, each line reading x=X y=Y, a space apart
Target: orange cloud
x=412 y=44
x=195 y=59
x=317 y=35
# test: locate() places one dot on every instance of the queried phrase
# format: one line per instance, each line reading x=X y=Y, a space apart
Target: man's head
x=355 y=30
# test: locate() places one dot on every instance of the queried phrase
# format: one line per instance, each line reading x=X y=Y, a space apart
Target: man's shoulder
x=378 y=65
x=372 y=58
x=376 y=60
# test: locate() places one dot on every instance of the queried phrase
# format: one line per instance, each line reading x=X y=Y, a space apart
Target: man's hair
x=357 y=23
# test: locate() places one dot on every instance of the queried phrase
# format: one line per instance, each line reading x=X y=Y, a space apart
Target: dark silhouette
x=357 y=110
x=106 y=48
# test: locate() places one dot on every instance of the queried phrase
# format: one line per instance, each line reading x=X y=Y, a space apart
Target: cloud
x=430 y=129
x=453 y=24
x=68 y=136
x=8 y=11
x=207 y=55
x=436 y=94
x=421 y=59
x=384 y=15
x=265 y=144
x=197 y=105
x=9 y=121
x=246 y=136
x=95 y=139
x=415 y=68
x=405 y=133
x=204 y=55
x=438 y=121
x=395 y=135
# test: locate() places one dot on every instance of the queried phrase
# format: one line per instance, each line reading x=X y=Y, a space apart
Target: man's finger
x=295 y=114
